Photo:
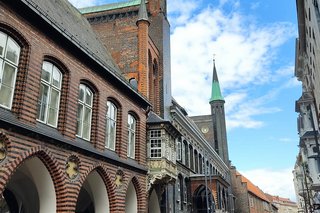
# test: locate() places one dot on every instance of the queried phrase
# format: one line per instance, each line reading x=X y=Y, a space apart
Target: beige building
x=284 y=205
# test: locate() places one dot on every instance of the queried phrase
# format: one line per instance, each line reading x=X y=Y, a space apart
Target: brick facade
x=25 y=137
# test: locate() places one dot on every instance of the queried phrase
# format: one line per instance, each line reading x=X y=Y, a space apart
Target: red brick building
x=72 y=129
x=87 y=120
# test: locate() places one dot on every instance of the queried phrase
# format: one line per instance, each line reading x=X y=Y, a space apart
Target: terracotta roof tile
x=253 y=188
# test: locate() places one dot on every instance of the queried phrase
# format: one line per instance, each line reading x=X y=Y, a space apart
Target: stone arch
x=203 y=200
x=154 y=205
x=139 y=192
x=36 y=163
x=106 y=180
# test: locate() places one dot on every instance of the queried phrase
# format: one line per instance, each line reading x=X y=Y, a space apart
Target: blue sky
x=254 y=43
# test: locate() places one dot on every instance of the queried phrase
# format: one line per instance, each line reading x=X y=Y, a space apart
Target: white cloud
x=241 y=111
x=274 y=182
x=244 y=54
x=88 y=3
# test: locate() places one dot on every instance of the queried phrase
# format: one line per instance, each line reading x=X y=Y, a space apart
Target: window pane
x=46 y=71
x=53 y=107
x=88 y=97
x=132 y=138
x=107 y=132
x=79 y=119
x=54 y=102
x=5 y=95
x=86 y=123
x=81 y=92
x=112 y=135
x=9 y=74
x=87 y=115
x=113 y=115
x=3 y=39
x=52 y=116
x=56 y=77
x=86 y=131
x=42 y=103
x=13 y=51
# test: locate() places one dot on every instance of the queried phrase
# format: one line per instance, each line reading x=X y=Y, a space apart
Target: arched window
x=49 y=98
x=179 y=149
x=196 y=161
x=85 y=103
x=186 y=153
x=9 y=59
x=131 y=136
x=191 y=159
x=111 y=125
x=200 y=164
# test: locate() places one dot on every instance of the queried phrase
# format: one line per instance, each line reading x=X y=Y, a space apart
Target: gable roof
x=67 y=19
x=253 y=189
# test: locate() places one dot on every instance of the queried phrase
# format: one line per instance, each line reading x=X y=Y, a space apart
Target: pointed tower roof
x=215 y=90
x=143 y=14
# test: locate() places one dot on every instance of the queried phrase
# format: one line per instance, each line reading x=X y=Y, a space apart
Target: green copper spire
x=215 y=91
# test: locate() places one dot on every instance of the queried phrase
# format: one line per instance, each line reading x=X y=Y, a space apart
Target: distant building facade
x=249 y=198
x=284 y=205
x=307 y=167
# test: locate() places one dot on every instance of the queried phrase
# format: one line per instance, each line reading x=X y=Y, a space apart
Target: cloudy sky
x=252 y=42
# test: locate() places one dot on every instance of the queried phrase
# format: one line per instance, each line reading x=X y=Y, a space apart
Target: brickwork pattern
x=37 y=47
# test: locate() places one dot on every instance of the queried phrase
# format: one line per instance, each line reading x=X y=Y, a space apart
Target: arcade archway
x=93 y=196
x=131 y=199
x=154 y=206
x=203 y=200
x=30 y=189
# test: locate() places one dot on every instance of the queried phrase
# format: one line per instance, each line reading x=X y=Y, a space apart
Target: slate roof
x=66 y=18
x=154 y=118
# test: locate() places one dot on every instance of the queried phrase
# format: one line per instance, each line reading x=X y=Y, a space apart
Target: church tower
x=218 y=118
x=143 y=38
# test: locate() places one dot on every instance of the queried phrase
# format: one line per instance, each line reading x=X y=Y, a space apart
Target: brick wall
x=240 y=192
x=37 y=47
x=118 y=31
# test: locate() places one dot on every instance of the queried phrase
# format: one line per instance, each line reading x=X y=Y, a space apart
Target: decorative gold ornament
x=72 y=167
x=119 y=178
x=3 y=150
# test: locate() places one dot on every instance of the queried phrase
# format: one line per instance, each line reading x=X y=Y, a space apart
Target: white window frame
x=85 y=106
x=47 y=102
x=4 y=40
x=155 y=144
x=132 y=123
x=111 y=118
